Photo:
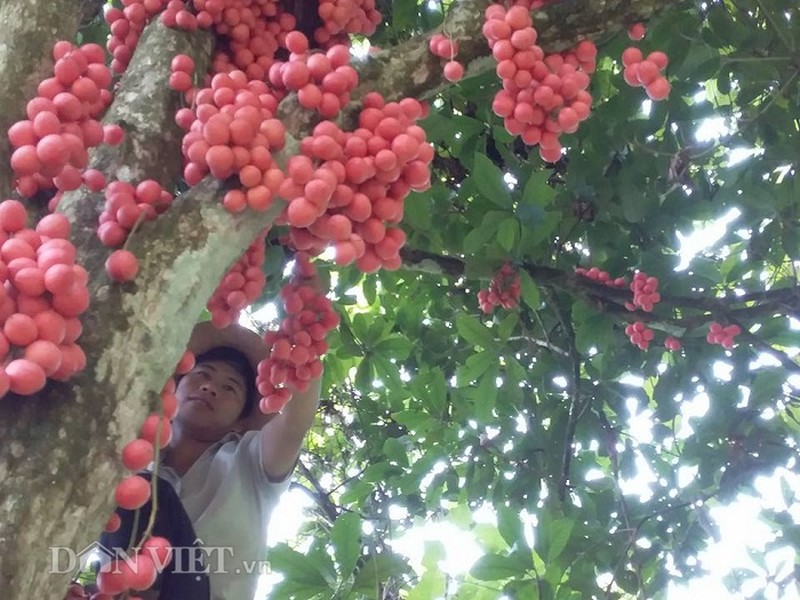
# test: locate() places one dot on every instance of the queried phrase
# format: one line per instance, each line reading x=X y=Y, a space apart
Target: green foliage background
x=417 y=374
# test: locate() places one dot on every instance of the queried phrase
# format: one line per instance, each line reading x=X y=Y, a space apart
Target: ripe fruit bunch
x=178 y=15
x=724 y=336
x=134 y=491
x=503 y=290
x=299 y=343
x=126 y=206
x=231 y=132
x=51 y=144
x=600 y=276
x=640 y=334
x=645 y=292
x=360 y=184
x=342 y=18
x=253 y=30
x=542 y=96
x=445 y=47
x=240 y=287
x=323 y=80
x=641 y=72
x=43 y=293
x=126 y=26
x=137 y=572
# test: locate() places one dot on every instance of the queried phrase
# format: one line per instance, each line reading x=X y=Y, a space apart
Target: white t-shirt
x=229 y=499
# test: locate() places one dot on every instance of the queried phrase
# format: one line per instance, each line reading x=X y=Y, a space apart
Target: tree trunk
x=59 y=458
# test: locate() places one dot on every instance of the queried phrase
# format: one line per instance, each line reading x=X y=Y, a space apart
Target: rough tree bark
x=59 y=454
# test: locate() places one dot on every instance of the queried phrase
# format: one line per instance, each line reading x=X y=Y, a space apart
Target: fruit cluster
x=724 y=336
x=444 y=47
x=342 y=18
x=240 y=287
x=126 y=205
x=232 y=131
x=43 y=294
x=346 y=187
x=640 y=334
x=641 y=72
x=51 y=145
x=542 y=96
x=504 y=290
x=127 y=25
x=645 y=292
x=132 y=492
x=299 y=343
x=601 y=276
x=323 y=80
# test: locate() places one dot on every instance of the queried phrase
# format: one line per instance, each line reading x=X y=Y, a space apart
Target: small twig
x=757 y=342
x=540 y=343
x=576 y=407
x=323 y=497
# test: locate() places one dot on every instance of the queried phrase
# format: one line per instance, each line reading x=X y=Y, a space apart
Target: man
x=224 y=469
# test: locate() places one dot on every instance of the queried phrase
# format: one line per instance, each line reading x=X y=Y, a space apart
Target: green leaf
x=529 y=290
x=560 y=532
x=346 y=537
x=364 y=374
x=510 y=525
x=507 y=325
x=475 y=332
x=489 y=181
x=475 y=366
x=538 y=192
x=485 y=396
x=508 y=233
x=295 y=566
x=395 y=451
x=493 y=567
x=375 y=571
x=477 y=238
x=436 y=397
x=395 y=346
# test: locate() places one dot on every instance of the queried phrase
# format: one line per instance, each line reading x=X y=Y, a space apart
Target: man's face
x=210 y=398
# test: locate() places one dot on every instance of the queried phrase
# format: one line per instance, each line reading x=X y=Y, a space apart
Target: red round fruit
x=132 y=492
x=25 y=377
x=122 y=265
x=136 y=455
x=45 y=354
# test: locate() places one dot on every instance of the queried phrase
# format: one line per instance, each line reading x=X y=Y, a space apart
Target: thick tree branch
x=611 y=300
x=61 y=446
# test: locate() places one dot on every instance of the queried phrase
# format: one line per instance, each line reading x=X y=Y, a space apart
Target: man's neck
x=183 y=451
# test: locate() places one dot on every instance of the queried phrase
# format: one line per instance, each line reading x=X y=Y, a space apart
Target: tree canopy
x=430 y=403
